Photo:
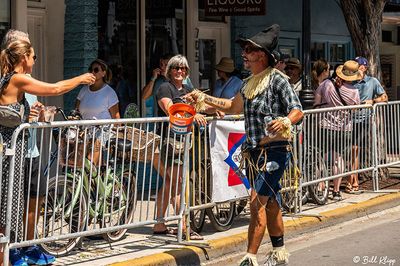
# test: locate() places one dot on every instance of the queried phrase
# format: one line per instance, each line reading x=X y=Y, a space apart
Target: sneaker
x=246 y=261
x=336 y=196
x=35 y=255
x=278 y=256
x=16 y=258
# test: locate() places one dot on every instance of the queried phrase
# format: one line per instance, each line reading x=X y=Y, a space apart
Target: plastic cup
x=35 y=119
x=49 y=112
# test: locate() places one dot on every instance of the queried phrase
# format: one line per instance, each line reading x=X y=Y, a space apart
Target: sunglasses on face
x=95 y=70
x=249 y=49
x=34 y=57
x=177 y=68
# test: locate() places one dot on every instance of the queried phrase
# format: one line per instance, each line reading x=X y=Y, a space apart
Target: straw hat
x=349 y=71
x=226 y=65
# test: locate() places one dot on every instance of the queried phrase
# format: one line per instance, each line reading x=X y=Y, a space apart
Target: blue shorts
x=267 y=183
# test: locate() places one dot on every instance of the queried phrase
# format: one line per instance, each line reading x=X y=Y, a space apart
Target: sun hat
x=294 y=62
x=362 y=61
x=225 y=65
x=349 y=71
x=266 y=40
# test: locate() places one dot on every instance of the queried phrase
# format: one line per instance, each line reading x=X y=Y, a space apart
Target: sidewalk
x=140 y=247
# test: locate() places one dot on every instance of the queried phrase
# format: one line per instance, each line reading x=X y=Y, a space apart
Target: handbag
x=10 y=117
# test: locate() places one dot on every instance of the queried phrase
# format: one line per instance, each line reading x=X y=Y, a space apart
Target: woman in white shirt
x=98 y=101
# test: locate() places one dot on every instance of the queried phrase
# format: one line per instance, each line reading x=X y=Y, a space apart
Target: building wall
x=327 y=23
x=80 y=41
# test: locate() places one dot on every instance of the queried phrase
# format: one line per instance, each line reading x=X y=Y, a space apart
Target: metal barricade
x=94 y=177
x=387 y=141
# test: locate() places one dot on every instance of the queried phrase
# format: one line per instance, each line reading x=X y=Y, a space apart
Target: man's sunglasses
x=249 y=49
x=95 y=70
x=179 y=67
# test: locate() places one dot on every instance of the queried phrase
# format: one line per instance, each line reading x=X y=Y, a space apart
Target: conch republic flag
x=229 y=182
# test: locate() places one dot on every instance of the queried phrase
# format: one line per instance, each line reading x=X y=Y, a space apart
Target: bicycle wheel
x=240 y=206
x=64 y=212
x=289 y=185
x=121 y=206
x=318 y=192
x=222 y=215
x=197 y=217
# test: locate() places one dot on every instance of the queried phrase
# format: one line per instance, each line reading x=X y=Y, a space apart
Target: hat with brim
x=349 y=71
x=294 y=62
x=225 y=65
x=267 y=40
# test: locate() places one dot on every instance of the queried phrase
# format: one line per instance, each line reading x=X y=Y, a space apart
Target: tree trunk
x=364 y=18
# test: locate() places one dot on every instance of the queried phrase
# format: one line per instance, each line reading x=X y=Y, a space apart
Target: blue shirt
x=33 y=150
x=229 y=89
x=369 y=88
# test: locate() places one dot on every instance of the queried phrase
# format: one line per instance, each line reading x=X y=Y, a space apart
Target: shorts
x=267 y=183
x=31 y=185
x=173 y=150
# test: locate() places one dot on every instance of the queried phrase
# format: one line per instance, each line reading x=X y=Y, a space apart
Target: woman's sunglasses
x=180 y=68
x=34 y=58
x=95 y=70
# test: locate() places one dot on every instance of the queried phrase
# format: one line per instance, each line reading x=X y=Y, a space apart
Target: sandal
x=167 y=231
x=349 y=188
x=193 y=236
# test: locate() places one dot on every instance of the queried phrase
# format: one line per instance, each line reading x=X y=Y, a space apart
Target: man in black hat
x=270 y=108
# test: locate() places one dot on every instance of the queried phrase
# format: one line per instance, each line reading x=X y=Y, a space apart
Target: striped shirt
x=326 y=92
x=276 y=101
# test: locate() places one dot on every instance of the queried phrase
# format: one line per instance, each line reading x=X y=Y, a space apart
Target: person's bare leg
x=274 y=219
x=258 y=222
x=354 y=166
x=32 y=212
x=163 y=195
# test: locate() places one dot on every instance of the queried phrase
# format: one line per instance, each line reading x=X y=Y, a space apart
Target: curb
x=192 y=255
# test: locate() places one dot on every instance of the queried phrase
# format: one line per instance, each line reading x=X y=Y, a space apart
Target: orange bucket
x=181 y=117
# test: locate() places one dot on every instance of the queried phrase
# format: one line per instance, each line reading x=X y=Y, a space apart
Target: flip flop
x=168 y=231
x=193 y=236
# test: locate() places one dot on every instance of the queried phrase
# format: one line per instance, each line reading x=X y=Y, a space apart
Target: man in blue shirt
x=371 y=91
x=228 y=85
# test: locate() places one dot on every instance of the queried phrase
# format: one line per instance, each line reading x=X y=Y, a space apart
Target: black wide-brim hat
x=266 y=39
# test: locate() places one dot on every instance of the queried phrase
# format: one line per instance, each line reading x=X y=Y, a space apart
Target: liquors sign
x=234 y=7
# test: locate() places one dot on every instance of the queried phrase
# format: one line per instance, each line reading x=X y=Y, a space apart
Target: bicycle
x=84 y=196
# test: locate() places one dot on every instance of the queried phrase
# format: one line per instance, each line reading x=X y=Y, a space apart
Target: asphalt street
x=369 y=240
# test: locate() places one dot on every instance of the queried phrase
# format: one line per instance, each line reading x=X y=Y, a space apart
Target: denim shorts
x=267 y=182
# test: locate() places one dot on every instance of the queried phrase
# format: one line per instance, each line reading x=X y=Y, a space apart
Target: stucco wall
x=80 y=41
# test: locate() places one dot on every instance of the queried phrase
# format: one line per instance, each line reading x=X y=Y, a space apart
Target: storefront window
x=203 y=17
x=317 y=51
x=164 y=35
x=5 y=17
x=117 y=38
x=337 y=53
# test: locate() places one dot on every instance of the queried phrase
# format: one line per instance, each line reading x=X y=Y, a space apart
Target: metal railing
x=106 y=176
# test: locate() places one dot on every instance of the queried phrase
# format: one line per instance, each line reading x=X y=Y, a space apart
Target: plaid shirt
x=277 y=100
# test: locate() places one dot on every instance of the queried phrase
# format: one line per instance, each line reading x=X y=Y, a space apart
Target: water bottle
x=267 y=120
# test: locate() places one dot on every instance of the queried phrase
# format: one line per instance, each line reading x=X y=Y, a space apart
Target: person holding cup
x=17 y=60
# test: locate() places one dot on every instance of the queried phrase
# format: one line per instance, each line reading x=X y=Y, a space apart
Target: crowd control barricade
x=94 y=177
x=387 y=141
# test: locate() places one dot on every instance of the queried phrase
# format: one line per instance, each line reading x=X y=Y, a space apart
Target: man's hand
x=156 y=72
x=200 y=119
